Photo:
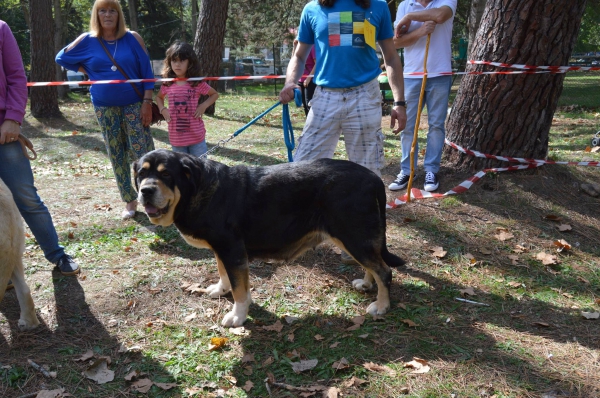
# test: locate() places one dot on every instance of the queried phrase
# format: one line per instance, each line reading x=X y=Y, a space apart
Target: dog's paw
x=238 y=314
x=27 y=325
x=377 y=309
x=217 y=290
x=362 y=285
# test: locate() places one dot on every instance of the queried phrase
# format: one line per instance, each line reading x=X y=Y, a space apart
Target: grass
x=128 y=304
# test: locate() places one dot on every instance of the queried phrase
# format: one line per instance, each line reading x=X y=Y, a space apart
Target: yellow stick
x=418 y=122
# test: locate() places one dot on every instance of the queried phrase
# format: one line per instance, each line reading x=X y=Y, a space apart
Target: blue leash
x=288 y=131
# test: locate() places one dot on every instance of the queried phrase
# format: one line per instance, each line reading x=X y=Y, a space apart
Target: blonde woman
x=124 y=111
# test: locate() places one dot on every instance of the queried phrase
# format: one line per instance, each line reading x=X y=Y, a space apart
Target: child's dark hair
x=181 y=50
x=360 y=3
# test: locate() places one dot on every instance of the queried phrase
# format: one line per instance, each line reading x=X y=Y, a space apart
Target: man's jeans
x=437 y=93
x=15 y=171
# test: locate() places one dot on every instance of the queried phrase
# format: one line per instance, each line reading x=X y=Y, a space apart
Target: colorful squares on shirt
x=346 y=29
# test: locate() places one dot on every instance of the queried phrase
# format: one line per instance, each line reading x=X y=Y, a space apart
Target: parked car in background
x=77 y=77
x=257 y=66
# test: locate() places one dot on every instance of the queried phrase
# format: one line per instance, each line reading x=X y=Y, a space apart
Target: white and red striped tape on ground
x=465 y=185
x=525 y=69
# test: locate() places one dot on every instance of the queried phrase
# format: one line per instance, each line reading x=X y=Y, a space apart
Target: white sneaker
x=431 y=182
x=400 y=182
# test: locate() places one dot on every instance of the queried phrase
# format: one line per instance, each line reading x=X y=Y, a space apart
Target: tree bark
x=210 y=35
x=511 y=115
x=475 y=14
x=44 y=100
x=60 y=25
x=194 y=16
x=133 y=20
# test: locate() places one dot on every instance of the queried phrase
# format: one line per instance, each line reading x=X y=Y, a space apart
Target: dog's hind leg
x=222 y=287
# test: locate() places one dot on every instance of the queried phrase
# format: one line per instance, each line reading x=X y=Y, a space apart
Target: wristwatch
x=400 y=103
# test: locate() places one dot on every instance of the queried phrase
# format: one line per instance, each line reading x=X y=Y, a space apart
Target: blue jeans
x=437 y=93
x=197 y=150
x=15 y=171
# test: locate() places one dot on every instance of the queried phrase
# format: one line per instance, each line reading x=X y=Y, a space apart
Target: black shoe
x=400 y=182
x=67 y=266
x=431 y=182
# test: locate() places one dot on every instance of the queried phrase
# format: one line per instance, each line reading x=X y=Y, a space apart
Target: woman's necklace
x=114 y=68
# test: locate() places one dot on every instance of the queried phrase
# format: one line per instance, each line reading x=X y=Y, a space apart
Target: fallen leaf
x=358 y=320
x=191 y=317
x=87 y=355
x=341 y=364
x=304 y=365
x=276 y=327
x=513 y=259
x=248 y=358
x=353 y=382
x=331 y=392
x=99 y=372
x=419 y=365
x=353 y=327
x=467 y=292
x=318 y=337
x=583 y=280
x=379 y=368
x=438 y=252
x=562 y=245
x=546 y=258
x=597 y=301
x=485 y=251
x=248 y=370
x=514 y=284
x=239 y=331
x=564 y=227
x=165 y=386
x=267 y=362
x=334 y=344
x=588 y=149
x=291 y=319
x=58 y=393
x=248 y=386
x=131 y=375
x=142 y=385
x=363 y=336
x=542 y=324
x=410 y=323
x=591 y=315
x=520 y=249
x=217 y=342
x=291 y=337
x=502 y=236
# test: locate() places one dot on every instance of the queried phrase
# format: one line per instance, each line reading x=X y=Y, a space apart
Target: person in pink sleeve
x=184 y=114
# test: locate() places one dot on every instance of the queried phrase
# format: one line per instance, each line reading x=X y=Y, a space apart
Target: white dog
x=12 y=246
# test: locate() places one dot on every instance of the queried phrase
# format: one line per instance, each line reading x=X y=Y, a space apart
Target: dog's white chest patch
x=199 y=243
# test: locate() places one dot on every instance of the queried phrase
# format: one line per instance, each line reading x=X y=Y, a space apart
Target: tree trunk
x=475 y=14
x=511 y=115
x=60 y=24
x=133 y=20
x=194 y=16
x=210 y=35
x=44 y=100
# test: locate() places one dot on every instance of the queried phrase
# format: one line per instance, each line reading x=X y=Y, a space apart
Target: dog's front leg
x=241 y=296
x=223 y=286
x=28 y=319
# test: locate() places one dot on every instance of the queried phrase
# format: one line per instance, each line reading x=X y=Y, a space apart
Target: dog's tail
x=391 y=259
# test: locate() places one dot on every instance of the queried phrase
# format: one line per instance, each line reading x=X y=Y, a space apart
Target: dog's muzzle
x=146 y=198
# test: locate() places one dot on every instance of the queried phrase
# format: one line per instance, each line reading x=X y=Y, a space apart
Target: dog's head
x=161 y=178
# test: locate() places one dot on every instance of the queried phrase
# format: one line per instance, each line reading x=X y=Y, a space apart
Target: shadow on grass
x=73 y=331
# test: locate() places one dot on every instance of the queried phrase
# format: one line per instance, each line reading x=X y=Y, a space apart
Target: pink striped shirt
x=184 y=128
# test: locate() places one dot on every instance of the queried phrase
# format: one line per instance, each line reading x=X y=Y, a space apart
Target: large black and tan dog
x=272 y=212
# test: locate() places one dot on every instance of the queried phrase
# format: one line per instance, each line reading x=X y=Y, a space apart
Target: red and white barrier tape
x=460 y=188
x=535 y=67
x=526 y=70
x=465 y=185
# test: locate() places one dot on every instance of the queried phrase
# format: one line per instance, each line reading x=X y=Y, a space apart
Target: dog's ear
x=134 y=166
x=192 y=171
